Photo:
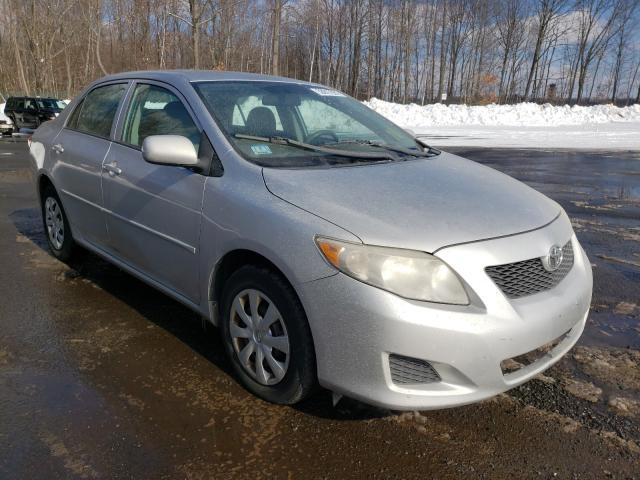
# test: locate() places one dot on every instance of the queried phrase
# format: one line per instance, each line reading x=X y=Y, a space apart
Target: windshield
x=50 y=104
x=254 y=113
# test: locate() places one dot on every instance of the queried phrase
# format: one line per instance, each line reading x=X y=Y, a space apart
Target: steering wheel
x=316 y=137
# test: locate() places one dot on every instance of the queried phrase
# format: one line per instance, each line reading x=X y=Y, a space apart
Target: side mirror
x=169 y=150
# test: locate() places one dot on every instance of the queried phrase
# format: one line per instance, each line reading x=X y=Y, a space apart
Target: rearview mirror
x=169 y=150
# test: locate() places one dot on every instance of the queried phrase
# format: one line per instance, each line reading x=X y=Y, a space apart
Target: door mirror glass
x=169 y=150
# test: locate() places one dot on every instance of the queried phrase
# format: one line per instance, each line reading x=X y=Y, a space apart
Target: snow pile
x=521 y=114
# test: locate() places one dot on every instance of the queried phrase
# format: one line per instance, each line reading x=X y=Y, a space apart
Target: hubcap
x=259 y=337
x=54 y=222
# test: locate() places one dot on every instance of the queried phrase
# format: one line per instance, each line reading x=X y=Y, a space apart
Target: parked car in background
x=30 y=112
x=329 y=245
x=6 y=126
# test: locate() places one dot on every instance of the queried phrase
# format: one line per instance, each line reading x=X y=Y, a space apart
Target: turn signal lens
x=407 y=273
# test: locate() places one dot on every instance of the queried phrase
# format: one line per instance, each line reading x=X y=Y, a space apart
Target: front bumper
x=356 y=327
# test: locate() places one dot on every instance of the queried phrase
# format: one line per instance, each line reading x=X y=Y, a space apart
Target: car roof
x=33 y=98
x=198 y=76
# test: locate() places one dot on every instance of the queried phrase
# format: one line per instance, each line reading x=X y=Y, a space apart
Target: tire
x=299 y=379
x=53 y=218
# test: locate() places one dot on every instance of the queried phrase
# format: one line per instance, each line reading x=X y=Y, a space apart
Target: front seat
x=261 y=122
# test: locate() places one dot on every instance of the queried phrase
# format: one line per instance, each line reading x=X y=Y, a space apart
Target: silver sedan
x=330 y=246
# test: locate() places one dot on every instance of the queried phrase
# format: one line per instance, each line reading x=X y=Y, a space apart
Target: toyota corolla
x=330 y=246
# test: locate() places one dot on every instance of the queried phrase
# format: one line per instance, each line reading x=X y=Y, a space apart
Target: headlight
x=407 y=273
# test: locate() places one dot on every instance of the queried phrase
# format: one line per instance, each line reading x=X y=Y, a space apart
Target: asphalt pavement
x=102 y=376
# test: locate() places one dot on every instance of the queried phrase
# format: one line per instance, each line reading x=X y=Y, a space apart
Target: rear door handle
x=58 y=148
x=112 y=168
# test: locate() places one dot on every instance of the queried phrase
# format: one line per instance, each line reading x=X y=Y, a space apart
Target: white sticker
x=327 y=92
x=261 y=149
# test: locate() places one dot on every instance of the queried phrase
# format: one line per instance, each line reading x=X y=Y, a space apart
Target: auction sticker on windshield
x=327 y=92
x=261 y=149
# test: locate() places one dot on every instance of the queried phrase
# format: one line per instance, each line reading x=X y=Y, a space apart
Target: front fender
x=246 y=216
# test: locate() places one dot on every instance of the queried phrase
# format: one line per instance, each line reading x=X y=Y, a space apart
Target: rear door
x=154 y=211
x=80 y=149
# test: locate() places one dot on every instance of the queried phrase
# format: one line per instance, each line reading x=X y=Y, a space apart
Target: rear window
x=98 y=110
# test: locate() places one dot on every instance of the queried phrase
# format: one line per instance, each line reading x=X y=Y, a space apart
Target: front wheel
x=56 y=225
x=267 y=336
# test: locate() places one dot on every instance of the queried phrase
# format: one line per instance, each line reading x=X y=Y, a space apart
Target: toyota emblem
x=554 y=259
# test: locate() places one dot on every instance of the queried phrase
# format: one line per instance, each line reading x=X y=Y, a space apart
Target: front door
x=154 y=211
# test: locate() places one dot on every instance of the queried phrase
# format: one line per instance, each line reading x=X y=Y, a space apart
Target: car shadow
x=175 y=318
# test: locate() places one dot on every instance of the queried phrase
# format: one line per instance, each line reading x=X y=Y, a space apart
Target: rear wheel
x=56 y=225
x=267 y=336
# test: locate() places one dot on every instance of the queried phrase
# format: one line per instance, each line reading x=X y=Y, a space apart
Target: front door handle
x=112 y=168
x=58 y=148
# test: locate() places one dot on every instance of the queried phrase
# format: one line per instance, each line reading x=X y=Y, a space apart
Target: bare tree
x=546 y=12
x=598 y=19
x=402 y=50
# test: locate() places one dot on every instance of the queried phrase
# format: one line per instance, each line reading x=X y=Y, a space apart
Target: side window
x=156 y=111
x=73 y=118
x=99 y=109
x=29 y=105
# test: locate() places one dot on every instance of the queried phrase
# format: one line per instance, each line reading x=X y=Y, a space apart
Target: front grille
x=407 y=370
x=527 y=277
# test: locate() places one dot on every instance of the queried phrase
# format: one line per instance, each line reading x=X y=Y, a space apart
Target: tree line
x=472 y=51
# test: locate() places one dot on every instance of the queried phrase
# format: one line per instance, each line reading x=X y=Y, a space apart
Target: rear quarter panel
x=40 y=150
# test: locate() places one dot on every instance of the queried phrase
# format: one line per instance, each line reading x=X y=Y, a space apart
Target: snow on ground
x=524 y=125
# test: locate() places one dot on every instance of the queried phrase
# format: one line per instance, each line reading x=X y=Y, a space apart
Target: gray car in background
x=330 y=246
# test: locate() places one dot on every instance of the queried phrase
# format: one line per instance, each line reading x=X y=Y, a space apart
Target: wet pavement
x=103 y=377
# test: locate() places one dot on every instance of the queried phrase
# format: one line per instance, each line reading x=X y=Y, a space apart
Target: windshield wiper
x=316 y=148
x=414 y=153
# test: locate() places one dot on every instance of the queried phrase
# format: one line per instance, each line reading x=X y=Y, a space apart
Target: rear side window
x=157 y=111
x=98 y=109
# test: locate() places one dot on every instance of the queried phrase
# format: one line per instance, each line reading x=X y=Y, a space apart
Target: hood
x=422 y=204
